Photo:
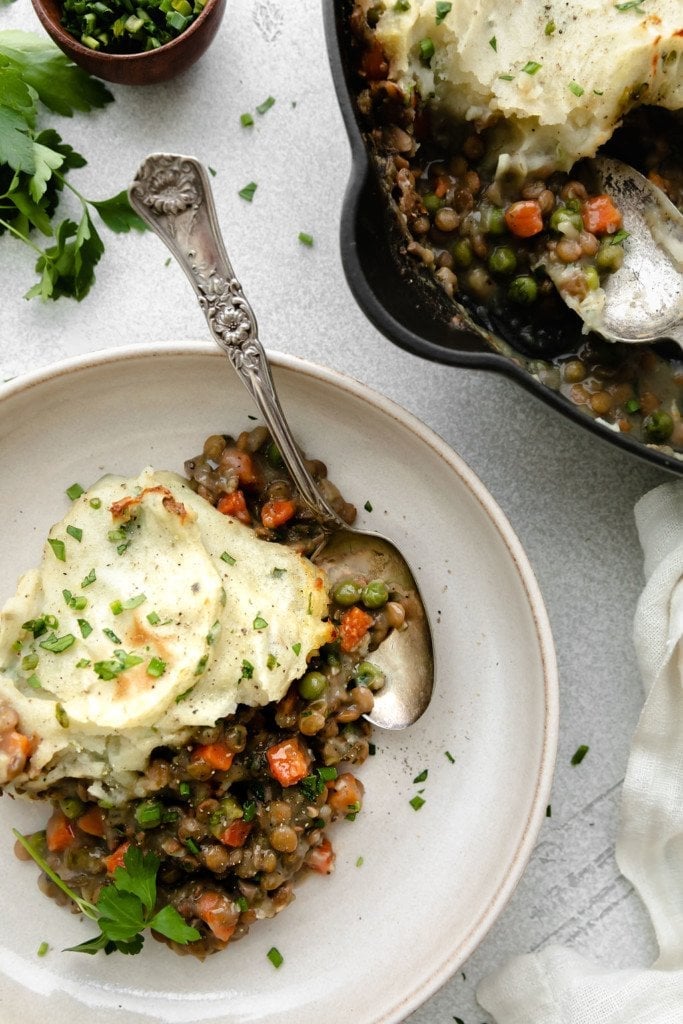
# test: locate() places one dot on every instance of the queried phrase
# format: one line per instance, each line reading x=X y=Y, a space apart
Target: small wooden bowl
x=146 y=68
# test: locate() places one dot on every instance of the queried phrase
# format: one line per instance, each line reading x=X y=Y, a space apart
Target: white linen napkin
x=556 y=985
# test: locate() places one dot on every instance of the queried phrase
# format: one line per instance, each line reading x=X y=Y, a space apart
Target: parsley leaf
x=34 y=77
x=125 y=907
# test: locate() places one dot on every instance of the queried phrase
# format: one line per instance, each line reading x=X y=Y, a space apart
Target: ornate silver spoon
x=172 y=194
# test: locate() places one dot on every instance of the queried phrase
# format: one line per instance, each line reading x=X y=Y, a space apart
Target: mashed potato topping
x=553 y=79
x=151 y=614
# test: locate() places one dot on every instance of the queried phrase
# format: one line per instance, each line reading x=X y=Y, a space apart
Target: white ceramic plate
x=413 y=892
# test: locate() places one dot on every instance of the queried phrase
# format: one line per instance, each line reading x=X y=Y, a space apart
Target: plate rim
x=498 y=900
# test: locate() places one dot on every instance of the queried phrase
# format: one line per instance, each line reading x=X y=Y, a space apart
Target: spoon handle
x=172 y=194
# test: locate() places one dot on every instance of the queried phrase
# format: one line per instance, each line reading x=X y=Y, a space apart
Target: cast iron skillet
x=402 y=304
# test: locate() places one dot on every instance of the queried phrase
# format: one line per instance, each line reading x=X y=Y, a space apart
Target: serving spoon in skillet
x=172 y=194
x=644 y=298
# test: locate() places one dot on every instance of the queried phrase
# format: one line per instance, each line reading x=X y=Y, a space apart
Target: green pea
x=502 y=260
x=72 y=807
x=461 y=251
x=563 y=215
x=312 y=685
x=347 y=592
x=431 y=202
x=493 y=221
x=375 y=594
x=369 y=675
x=273 y=456
x=658 y=427
x=523 y=290
x=609 y=257
x=592 y=278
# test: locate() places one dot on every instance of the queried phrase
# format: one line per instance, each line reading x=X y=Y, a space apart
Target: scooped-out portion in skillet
x=493 y=206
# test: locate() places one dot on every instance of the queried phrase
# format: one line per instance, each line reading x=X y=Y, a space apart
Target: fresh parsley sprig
x=34 y=162
x=125 y=907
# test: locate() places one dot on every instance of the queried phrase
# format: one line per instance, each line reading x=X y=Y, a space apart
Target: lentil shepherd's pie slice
x=179 y=686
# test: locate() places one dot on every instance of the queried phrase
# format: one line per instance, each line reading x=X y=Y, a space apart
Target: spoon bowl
x=644 y=299
x=172 y=194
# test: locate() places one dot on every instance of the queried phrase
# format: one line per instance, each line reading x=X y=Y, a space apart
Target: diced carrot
x=92 y=822
x=524 y=219
x=236 y=833
x=115 y=859
x=60 y=832
x=17 y=749
x=215 y=754
x=321 y=858
x=600 y=216
x=234 y=504
x=345 y=794
x=276 y=513
x=219 y=913
x=353 y=626
x=441 y=187
x=288 y=762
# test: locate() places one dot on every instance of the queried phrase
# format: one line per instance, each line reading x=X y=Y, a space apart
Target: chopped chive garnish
x=247 y=670
x=368 y=506
x=246 y=120
x=58 y=547
x=83 y=663
x=125 y=606
x=278 y=573
x=450 y=756
x=266 y=105
x=272 y=662
x=248 y=191
x=184 y=789
x=443 y=8
x=259 y=622
x=242 y=903
x=327 y=773
x=87 y=580
x=212 y=171
x=61 y=716
x=579 y=754
x=275 y=956
x=85 y=627
x=305 y=238
x=192 y=846
x=44 y=946
x=549 y=28
x=95 y=503
x=34 y=682
x=416 y=803
x=426 y=47
x=249 y=809
x=493 y=43
x=359 y=862
x=184 y=695
x=111 y=635
x=372 y=749
x=225 y=557
x=549 y=811
x=57 y=644
x=153 y=619
x=116 y=535
x=116 y=607
x=213 y=633
x=577 y=89
x=296 y=648
x=531 y=67
x=422 y=776
x=75 y=532
x=507 y=78
x=633 y=405
x=402 y=5
x=201 y=665
x=156 y=667
x=51 y=621
x=29 y=662
x=74 y=491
